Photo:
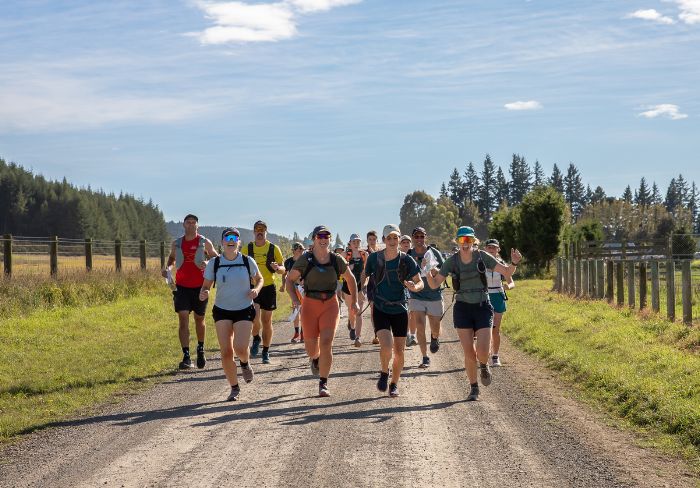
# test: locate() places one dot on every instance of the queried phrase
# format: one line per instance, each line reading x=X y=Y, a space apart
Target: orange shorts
x=319 y=314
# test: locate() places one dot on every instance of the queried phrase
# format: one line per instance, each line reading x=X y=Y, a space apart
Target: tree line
x=31 y=205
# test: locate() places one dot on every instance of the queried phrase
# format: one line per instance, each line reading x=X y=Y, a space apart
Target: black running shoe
x=473 y=394
x=255 y=348
x=201 y=360
x=186 y=363
x=352 y=335
x=425 y=364
x=235 y=393
x=393 y=390
x=383 y=382
x=434 y=344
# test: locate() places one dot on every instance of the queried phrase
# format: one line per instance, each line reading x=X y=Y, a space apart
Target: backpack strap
x=217 y=263
x=311 y=262
x=251 y=250
x=270 y=258
x=481 y=268
x=246 y=263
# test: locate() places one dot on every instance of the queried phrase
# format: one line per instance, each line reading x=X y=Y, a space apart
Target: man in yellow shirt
x=269 y=259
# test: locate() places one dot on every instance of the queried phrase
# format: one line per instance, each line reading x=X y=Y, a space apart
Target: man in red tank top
x=190 y=254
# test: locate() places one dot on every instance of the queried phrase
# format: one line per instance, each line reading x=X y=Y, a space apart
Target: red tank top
x=189 y=275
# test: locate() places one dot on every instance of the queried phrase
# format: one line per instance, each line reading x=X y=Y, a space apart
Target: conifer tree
x=519 y=179
x=574 y=192
x=556 y=181
x=538 y=175
x=627 y=195
x=487 y=190
x=642 y=196
x=502 y=195
x=455 y=188
x=655 y=196
x=471 y=184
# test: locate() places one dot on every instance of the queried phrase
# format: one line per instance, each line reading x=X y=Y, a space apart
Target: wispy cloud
x=529 y=105
x=666 y=110
x=690 y=11
x=263 y=22
x=653 y=15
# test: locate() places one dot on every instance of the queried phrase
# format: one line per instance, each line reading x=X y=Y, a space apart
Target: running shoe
x=485 y=374
x=434 y=344
x=358 y=342
x=314 y=367
x=414 y=341
x=425 y=364
x=247 y=374
x=266 y=357
x=393 y=390
x=235 y=393
x=201 y=360
x=186 y=363
x=295 y=338
x=408 y=340
x=375 y=340
x=353 y=336
x=495 y=360
x=255 y=348
x=473 y=394
x=383 y=382
x=323 y=390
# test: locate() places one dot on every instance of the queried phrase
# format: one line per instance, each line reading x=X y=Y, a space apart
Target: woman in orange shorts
x=319 y=270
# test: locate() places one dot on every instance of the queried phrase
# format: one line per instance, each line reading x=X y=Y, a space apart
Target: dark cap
x=297 y=245
x=320 y=228
x=259 y=222
x=230 y=230
x=492 y=242
x=191 y=216
x=418 y=229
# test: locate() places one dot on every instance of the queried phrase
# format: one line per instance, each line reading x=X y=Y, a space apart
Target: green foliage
x=30 y=205
x=505 y=227
x=585 y=230
x=439 y=218
x=542 y=217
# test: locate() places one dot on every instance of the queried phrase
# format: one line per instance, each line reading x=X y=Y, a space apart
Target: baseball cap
x=320 y=228
x=259 y=222
x=405 y=238
x=492 y=242
x=391 y=229
x=417 y=230
x=230 y=230
x=297 y=245
x=354 y=237
x=465 y=231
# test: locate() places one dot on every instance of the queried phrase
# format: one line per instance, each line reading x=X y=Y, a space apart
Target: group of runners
x=401 y=283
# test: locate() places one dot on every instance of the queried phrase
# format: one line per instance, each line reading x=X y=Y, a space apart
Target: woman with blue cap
x=473 y=312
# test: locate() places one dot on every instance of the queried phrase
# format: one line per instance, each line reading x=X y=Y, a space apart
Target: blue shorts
x=498 y=300
x=472 y=315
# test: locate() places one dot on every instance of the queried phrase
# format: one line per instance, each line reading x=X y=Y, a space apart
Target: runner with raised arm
x=498 y=297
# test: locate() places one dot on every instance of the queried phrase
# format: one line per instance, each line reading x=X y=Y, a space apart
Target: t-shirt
x=322 y=277
x=232 y=284
x=260 y=256
x=390 y=296
x=356 y=265
x=427 y=293
x=471 y=290
x=288 y=264
x=189 y=274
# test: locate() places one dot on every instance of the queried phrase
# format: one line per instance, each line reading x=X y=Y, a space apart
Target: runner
x=393 y=271
x=189 y=254
x=405 y=246
x=297 y=251
x=427 y=302
x=268 y=257
x=405 y=243
x=239 y=282
x=356 y=259
x=319 y=270
x=369 y=290
x=340 y=251
x=498 y=297
x=472 y=313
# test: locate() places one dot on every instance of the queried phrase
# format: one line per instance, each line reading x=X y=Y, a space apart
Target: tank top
x=189 y=275
x=494 y=279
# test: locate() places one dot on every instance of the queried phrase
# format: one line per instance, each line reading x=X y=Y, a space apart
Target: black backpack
x=311 y=262
x=480 y=267
x=380 y=273
x=269 y=259
x=246 y=263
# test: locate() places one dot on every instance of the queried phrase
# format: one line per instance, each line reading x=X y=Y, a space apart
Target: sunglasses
x=465 y=239
x=418 y=237
x=231 y=238
x=260 y=229
x=323 y=235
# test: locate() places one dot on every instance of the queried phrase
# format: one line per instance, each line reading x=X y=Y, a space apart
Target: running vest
x=199 y=256
x=494 y=280
x=356 y=265
x=269 y=258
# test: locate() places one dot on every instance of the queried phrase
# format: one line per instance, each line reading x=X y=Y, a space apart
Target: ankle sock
x=323 y=381
x=244 y=365
x=266 y=349
x=200 y=346
x=256 y=338
x=186 y=351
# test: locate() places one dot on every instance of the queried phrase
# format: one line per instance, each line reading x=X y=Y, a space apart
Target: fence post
x=611 y=281
x=592 y=281
x=88 y=254
x=142 y=253
x=53 y=255
x=162 y=254
x=600 y=264
x=572 y=270
x=565 y=273
x=687 y=292
x=578 y=277
x=620 y=283
x=642 y=285
x=630 y=284
x=670 y=290
x=655 y=287
x=584 y=278
x=7 y=255
x=118 y=254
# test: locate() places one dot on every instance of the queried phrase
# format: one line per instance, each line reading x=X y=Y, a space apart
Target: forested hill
x=31 y=205
x=213 y=233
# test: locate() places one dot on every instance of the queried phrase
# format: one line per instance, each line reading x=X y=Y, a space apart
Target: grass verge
x=644 y=370
x=64 y=360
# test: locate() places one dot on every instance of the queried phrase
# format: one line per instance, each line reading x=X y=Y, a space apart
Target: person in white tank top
x=498 y=297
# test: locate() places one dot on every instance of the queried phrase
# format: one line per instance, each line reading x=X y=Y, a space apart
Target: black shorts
x=473 y=315
x=397 y=323
x=233 y=315
x=267 y=298
x=188 y=299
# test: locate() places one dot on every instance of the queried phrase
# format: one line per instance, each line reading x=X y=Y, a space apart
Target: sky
x=307 y=112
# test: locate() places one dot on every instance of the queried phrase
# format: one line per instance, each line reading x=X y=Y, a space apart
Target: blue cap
x=354 y=237
x=465 y=231
x=230 y=230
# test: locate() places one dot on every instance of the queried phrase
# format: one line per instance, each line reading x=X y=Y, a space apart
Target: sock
x=315 y=362
x=482 y=365
x=200 y=346
x=244 y=365
x=257 y=338
x=235 y=387
x=494 y=356
x=266 y=349
x=475 y=385
x=432 y=338
x=186 y=351
x=426 y=357
x=296 y=330
x=384 y=375
x=323 y=381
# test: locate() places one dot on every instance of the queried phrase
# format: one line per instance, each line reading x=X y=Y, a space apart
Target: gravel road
x=524 y=431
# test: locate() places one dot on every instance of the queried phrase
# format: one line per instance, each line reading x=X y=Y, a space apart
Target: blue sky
x=330 y=111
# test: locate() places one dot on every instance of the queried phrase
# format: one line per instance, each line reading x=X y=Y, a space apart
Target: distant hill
x=213 y=233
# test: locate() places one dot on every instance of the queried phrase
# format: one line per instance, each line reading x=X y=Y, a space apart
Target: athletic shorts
x=234 y=316
x=472 y=315
x=267 y=298
x=396 y=323
x=433 y=308
x=317 y=315
x=498 y=300
x=188 y=299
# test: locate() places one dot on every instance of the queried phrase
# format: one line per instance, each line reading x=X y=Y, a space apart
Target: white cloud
x=262 y=22
x=667 y=110
x=529 y=105
x=690 y=11
x=651 y=14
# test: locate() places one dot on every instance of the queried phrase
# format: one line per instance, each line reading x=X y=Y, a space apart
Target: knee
x=227 y=354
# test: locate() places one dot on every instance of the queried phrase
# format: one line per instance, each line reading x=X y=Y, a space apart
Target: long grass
x=644 y=370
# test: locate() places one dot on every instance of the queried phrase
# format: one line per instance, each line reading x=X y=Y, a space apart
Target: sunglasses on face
x=260 y=229
x=419 y=237
x=465 y=240
x=230 y=238
x=323 y=235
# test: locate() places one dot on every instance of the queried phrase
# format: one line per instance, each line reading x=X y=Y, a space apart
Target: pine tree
x=627 y=195
x=502 y=189
x=642 y=196
x=338 y=242
x=574 y=192
x=538 y=175
x=556 y=181
x=682 y=190
x=487 y=190
x=693 y=206
x=673 y=199
x=598 y=195
x=471 y=184
x=296 y=237
x=443 y=190
x=519 y=179
x=655 y=195
x=589 y=195
x=455 y=188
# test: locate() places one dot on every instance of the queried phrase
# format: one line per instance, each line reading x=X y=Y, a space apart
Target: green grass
x=644 y=370
x=62 y=360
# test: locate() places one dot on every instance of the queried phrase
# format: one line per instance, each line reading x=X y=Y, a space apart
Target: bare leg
x=224 y=332
x=397 y=366
x=200 y=327
x=183 y=317
x=266 y=318
x=240 y=339
x=466 y=339
x=419 y=330
x=257 y=321
x=496 y=334
x=483 y=345
x=386 y=344
x=326 y=352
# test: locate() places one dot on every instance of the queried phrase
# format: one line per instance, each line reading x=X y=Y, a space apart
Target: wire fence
x=21 y=255
x=655 y=275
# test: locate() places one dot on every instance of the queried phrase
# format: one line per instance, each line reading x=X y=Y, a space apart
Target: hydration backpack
x=246 y=263
x=269 y=259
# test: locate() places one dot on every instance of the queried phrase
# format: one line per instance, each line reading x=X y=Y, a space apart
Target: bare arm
x=292 y=278
x=415 y=284
x=257 y=286
x=170 y=262
x=209 y=249
x=204 y=291
x=352 y=285
x=508 y=270
x=435 y=279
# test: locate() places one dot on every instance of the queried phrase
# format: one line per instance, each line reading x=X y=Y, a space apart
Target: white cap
x=391 y=229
